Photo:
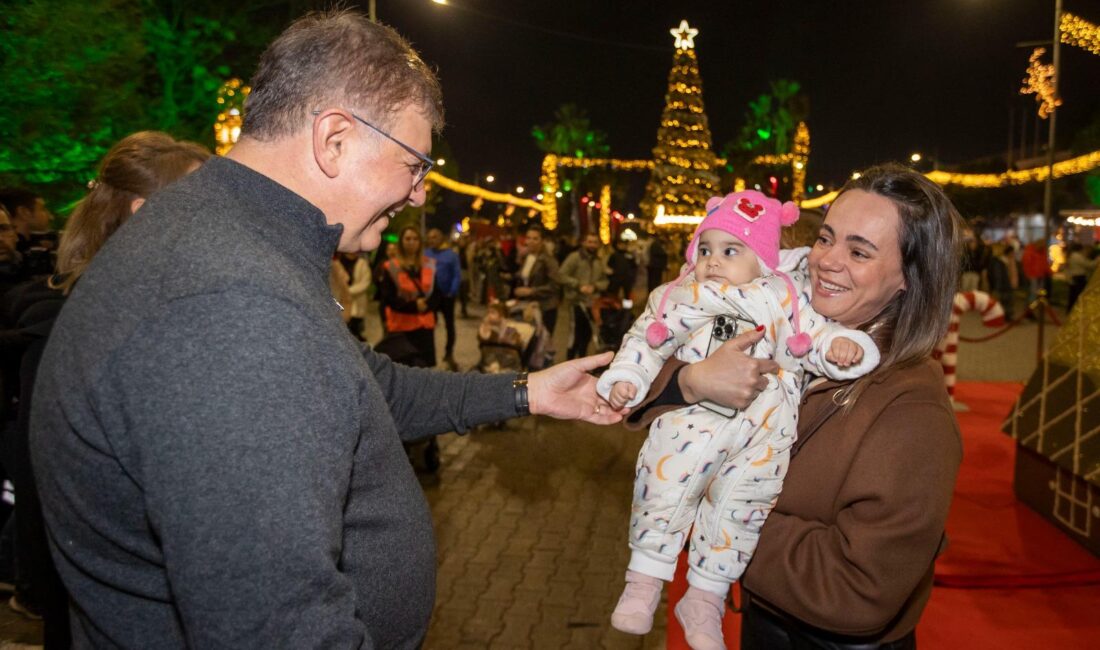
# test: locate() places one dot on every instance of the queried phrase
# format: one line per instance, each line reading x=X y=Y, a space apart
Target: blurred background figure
x=537 y=277
x=448 y=280
x=357 y=283
x=583 y=275
x=36 y=243
x=406 y=289
x=1078 y=270
x=133 y=170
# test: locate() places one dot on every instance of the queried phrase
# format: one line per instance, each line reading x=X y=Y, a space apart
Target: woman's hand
x=729 y=377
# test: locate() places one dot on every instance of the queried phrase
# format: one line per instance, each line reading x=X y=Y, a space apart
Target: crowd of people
x=1014 y=273
x=204 y=453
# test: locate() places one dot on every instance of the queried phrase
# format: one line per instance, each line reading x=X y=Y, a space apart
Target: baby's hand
x=621 y=393
x=844 y=352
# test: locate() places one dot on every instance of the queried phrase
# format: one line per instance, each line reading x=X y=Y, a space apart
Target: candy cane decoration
x=993 y=315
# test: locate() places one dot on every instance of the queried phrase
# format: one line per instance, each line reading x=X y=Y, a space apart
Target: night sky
x=885 y=78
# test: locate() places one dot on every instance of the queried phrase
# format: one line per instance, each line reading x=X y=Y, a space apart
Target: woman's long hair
x=930 y=236
x=136 y=167
x=413 y=259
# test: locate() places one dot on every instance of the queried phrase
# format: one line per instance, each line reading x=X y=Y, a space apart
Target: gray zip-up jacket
x=220 y=463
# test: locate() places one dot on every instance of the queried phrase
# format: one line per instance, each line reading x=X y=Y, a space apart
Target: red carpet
x=1009 y=579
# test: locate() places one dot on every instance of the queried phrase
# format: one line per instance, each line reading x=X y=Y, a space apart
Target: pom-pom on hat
x=756 y=220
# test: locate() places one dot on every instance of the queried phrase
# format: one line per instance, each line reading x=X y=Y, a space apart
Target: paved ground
x=530 y=519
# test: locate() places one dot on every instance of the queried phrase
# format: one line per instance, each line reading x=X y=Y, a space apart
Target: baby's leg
x=730 y=517
x=673 y=467
x=677 y=462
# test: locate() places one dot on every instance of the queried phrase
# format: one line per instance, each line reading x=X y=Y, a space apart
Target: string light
x=605 y=214
x=1080 y=32
x=227 y=126
x=1040 y=82
x=482 y=194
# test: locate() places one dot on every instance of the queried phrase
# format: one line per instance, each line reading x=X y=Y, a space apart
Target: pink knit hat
x=756 y=220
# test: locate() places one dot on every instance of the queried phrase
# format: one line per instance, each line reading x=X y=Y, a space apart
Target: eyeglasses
x=426 y=163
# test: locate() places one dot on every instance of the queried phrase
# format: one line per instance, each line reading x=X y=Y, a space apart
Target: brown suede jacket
x=850 y=545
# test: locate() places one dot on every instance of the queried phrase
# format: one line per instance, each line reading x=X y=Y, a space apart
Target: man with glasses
x=219 y=460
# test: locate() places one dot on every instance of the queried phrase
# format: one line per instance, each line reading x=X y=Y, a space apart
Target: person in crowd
x=448 y=281
x=567 y=245
x=537 y=277
x=132 y=171
x=381 y=256
x=493 y=269
x=406 y=288
x=1036 y=265
x=1078 y=270
x=356 y=282
x=28 y=213
x=465 y=287
x=582 y=275
x=656 y=263
x=732 y=274
x=622 y=270
x=846 y=557
x=1004 y=277
x=36 y=243
x=975 y=264
x=12 y=271
x=219 y=461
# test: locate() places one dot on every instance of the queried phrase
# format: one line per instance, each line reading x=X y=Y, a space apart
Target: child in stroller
x=512 y=338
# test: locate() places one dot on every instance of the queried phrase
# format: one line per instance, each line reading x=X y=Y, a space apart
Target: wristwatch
x=519 y=386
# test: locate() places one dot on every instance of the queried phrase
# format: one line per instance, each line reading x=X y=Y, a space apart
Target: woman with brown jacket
x=845 y=560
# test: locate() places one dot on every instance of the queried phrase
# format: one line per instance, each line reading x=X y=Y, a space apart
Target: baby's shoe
x=634 y=613
x=700 y=614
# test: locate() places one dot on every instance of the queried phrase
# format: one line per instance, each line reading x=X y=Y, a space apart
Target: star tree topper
x=685 y=36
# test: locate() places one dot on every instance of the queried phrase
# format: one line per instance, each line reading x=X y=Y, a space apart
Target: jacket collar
x=276 y=213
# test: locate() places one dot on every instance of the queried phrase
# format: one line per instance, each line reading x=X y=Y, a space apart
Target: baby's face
x=725 y=258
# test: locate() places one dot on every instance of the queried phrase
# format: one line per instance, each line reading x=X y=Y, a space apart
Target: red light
x=584 y=199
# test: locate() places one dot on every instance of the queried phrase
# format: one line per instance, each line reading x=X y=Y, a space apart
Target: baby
x=706 y=471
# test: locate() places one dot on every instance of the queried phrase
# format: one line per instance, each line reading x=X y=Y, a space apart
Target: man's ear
x=135 y=204
x=331 y=137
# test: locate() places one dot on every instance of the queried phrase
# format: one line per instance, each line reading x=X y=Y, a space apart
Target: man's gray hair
x=338 y=59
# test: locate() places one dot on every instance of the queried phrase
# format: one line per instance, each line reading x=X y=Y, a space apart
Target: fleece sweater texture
x=220 y=462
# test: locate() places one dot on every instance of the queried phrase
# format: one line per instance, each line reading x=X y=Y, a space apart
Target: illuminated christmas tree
x=683 y=175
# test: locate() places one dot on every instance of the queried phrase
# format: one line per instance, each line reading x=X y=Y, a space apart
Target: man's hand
x=523 y=292
x=567 y=392
x=729 y=376
x=844 y=352
x=421 y=305
x=587 y=289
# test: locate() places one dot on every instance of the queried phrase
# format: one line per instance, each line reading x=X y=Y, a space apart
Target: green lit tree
x=772 y=118
x=69 y=91
x=76 y=82
x=571 y=134
x=683 y=176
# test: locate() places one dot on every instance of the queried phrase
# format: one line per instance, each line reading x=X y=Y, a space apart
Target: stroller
x=513 y=338
x=423 y=454
x=611 y=319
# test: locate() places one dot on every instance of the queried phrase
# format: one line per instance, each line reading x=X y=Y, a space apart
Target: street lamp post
x=1048 y=190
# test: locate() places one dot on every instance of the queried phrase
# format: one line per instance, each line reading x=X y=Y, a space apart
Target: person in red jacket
x=1036 y=269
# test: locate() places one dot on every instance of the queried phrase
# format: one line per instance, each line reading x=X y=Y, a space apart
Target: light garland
x=1040 y=82
x=605 y=214
x=227 y=126
x=482 y=194
x=800 y=158
x=1080 y=32
x=1080 y=164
